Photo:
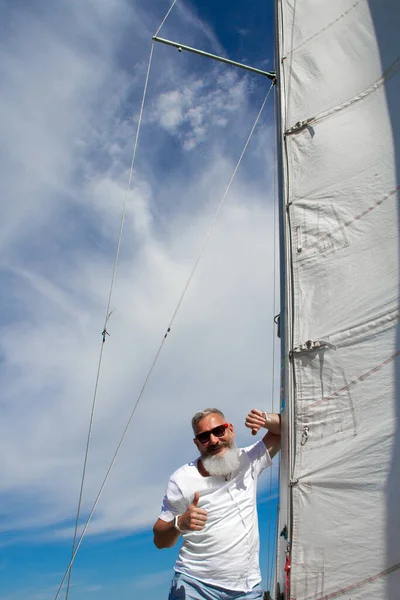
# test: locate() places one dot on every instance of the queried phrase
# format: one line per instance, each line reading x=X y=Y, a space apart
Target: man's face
x=215 y=445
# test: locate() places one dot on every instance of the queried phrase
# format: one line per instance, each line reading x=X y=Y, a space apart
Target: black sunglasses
x=219 y=431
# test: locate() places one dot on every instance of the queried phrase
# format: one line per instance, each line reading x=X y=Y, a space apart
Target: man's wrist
x=176 y=523
x=267 y=419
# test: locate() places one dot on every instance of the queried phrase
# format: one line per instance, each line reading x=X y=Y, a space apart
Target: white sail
x=339 y=92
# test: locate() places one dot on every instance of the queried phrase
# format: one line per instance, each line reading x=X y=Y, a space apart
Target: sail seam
x=353 y=220
x=354 y=382
x=361 y=330
x=354 y=586
x=386 y=76
x=323 y=29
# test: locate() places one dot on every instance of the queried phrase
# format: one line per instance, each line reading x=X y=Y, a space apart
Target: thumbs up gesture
x=194 y=518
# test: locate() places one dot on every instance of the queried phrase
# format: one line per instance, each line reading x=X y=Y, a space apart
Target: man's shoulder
x=253 y=452
x=258 y=446
x=182 y=472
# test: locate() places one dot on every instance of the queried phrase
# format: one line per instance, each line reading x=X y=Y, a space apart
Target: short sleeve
x=258 y=456
x=173 y=503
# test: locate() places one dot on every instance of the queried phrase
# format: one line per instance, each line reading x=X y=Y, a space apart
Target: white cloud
x=69 y=109
x=192 y=112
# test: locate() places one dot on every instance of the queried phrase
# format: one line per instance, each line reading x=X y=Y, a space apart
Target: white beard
x=223 y=465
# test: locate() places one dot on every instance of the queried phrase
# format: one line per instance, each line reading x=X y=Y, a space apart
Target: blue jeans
x=187 y=588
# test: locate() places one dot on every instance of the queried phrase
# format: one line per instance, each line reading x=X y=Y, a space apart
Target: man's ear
x=196 y=443
x=231 y=429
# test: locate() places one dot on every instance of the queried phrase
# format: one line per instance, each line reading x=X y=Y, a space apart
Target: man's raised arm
x=271 y=421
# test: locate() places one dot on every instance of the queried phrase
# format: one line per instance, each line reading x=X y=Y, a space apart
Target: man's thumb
x=196 y=498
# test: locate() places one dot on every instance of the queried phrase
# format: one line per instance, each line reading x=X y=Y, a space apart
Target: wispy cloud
x=193 y=112
x=69 y=106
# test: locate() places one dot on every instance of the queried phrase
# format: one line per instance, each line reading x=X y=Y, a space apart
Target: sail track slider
x=310 y=346
x=299 y=126
x=284 y=533
x=270 y=74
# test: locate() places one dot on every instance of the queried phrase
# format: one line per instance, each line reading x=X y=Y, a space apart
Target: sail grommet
x=304 y=435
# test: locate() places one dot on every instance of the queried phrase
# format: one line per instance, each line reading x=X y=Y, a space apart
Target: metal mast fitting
x=270 y=74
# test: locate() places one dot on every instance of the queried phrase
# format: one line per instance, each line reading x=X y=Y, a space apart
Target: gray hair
x=204 y=413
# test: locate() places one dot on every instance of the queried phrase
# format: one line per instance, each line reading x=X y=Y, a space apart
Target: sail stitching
x=357 y=380
x=351 y=221
x=323 y=29
x=380 y=321
x=386 y=76
x=354 y=586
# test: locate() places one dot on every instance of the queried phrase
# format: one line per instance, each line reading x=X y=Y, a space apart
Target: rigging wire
x=272 y=526
x=108 y=315
x=108 y=312
x=200 y=254
x=277 y=301
x=165 y=18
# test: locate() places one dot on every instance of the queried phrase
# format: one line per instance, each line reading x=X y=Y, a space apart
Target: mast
x=338 y=132
x=286 y=404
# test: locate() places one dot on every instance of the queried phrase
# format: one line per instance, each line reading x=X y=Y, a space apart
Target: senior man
x=211 y=502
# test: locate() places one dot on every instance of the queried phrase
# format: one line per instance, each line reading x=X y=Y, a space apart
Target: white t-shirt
x=225 y=552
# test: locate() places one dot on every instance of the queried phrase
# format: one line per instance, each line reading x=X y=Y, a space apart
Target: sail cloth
x=339 y=128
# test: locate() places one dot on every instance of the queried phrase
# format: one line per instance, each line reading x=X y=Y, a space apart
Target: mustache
x=221 y=444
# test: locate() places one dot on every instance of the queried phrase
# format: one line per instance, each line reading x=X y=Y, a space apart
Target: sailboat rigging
x=337 y=86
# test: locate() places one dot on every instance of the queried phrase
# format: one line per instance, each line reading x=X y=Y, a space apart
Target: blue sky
x=72 y=78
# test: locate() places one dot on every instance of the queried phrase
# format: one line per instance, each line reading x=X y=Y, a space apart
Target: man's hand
x=194 y=518
x=258 y=418
x=255 y=420
x=272 y=421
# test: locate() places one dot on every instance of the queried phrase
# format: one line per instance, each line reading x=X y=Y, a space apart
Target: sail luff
x=287 y=403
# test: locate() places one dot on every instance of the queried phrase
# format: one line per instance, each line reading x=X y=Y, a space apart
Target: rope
x=78 y=544
x=105 y=332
